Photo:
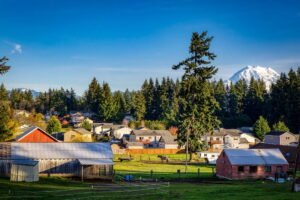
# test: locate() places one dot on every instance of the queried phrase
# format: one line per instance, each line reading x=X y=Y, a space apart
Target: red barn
x=35 y=134
x=251 y=163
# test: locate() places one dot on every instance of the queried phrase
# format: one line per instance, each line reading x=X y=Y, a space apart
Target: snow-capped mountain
x=33 y=92
x=267 y=74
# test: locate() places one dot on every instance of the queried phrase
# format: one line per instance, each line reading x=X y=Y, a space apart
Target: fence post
x=198 y=172
x=151 y=173
x=178 y=172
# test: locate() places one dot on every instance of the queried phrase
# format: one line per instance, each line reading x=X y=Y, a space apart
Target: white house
x=120 y=131
x=210 y=156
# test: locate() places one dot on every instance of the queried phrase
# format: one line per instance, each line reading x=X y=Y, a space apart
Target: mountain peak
x=267 y=74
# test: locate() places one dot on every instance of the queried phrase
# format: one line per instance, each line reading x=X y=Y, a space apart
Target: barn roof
x=30 y=130
x=25 y=162
x=61 y=151
x=96 y=161
x=150 y=132
x=255 y=156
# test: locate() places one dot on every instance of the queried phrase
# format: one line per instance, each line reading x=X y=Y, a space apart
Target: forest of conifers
x=239 y=104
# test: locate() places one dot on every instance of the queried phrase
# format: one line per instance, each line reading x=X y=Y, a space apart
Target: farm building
x=288 y=151
x=85 y=160
x=168 y=141
x=24 y=170
x=35 y=134
x=251 y=163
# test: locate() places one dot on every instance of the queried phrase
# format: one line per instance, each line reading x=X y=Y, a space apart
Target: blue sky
x=67 y=43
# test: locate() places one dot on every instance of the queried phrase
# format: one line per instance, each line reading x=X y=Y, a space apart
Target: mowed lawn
x=207 y=188
x=51 y=188
x=142 y=165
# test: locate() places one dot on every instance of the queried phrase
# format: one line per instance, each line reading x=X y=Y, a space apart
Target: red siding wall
x=226 y=170
x=37 y=136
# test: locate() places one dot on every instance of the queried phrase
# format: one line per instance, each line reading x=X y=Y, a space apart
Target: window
x=287 y=138
x=253 y=169
x=241 y=169
x=268 y=168
x=212 y=156
x=141 y=138
x=217 y=139
x=205 y=155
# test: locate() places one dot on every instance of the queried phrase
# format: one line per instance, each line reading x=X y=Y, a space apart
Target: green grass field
x=142 y=165
x=54 y=188
x=208 y=189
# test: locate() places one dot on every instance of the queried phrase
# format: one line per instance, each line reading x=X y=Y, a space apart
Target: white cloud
x=17 y=49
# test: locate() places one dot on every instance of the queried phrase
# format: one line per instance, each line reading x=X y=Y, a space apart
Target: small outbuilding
x=24 y=170
x=35 y=134
x=251 y=163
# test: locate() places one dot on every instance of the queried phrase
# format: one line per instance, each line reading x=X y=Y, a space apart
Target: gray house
x=280 y=138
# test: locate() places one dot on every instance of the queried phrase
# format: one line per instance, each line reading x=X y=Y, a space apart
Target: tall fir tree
x=197 y=103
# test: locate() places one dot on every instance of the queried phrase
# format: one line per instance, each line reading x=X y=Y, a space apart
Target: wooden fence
x=154 y=151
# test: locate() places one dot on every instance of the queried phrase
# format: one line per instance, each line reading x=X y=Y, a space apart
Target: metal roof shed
x=24 y=170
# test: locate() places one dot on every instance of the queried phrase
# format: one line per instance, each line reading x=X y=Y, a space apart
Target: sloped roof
x=82 y=131
x=243 y=141
x=289 y=152
x=61 y=150
x=150 y=132
x=255 y=156
x=30 y=130
x=278 y=133
x=168 y=139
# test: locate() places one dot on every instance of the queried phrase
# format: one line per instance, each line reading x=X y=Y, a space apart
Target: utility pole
x=186 y=150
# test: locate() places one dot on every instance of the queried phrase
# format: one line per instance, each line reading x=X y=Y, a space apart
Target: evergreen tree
x=128 y=101
x=3 y=93
x=119 y=106
x=3 y=67
x=86 y=125
x=280 y=126
x=220 y=95
x=197 y=103
x=7 y=125
x=94 y=97
x=254 y=102
x=53 y=125
x=138 y=105
x=107 y=106
x=261 y=127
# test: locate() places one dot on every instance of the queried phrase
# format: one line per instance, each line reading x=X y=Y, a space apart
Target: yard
x=147 y=166
x=201 y=186
x=65 y=189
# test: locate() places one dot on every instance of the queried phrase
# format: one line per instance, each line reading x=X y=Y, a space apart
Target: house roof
x=61 y=151
x=168 y=139
x=289 y=152
x=30 y=130
x=135 y=144
x=150 y=132
x=82 y=131
x=277 y=133
x=255 y=156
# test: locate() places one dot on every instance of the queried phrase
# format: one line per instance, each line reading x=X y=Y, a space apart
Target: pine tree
x=53 y=125
x=138 y=105
x=197 y=103
x=107 y=107
x=3 y=67
x=86 y=125
x=261 y=127
x=119 y=104
x=280 y=126
x=7 y=125
x=94 y=97
x=3 y=93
